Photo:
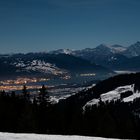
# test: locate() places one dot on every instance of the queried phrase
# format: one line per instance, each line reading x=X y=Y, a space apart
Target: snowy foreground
x=12 y=136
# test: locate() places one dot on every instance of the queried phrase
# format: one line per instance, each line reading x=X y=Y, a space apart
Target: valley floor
x=13 y=136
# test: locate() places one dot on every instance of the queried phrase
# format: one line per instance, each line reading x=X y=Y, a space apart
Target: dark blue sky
x=41 y=25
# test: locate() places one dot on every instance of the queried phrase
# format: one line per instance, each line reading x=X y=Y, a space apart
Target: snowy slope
x=62 y=51
x=132 y=97
x=133 y=50
x=115 y=95
x=12 y=136
x=97 y=50
x=117 y=48
x=39 y=66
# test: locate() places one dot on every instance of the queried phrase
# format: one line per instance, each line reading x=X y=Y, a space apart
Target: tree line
x=26 y=113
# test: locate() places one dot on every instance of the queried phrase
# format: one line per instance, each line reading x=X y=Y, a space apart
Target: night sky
x=43 y=25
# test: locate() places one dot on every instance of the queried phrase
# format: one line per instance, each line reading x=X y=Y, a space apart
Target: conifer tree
x=43 y=95
x=25 y=93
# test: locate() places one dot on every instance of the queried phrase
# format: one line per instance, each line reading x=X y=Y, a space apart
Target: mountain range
x=115 y=57
x=100 y=60
x=47 y=64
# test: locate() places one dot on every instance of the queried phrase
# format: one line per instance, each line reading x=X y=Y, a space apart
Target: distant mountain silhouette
x=115 y=57
x=44 y=63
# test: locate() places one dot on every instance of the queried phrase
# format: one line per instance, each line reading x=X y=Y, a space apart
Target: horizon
x=47 y=51
x=46 y=25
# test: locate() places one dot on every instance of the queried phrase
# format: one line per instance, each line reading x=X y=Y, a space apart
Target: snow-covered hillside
x=125 y=93
x=39 y=66
x=133 y=50
x=62 y=51
x=12 y=136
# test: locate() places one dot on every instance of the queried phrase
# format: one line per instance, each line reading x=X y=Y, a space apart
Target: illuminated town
x=17 y=84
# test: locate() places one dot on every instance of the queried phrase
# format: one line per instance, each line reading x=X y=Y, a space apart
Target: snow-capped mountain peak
x=62 y=51
x=133 y=50
x=117 y=48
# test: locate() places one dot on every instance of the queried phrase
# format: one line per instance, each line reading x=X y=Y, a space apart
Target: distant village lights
x=88 y=74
